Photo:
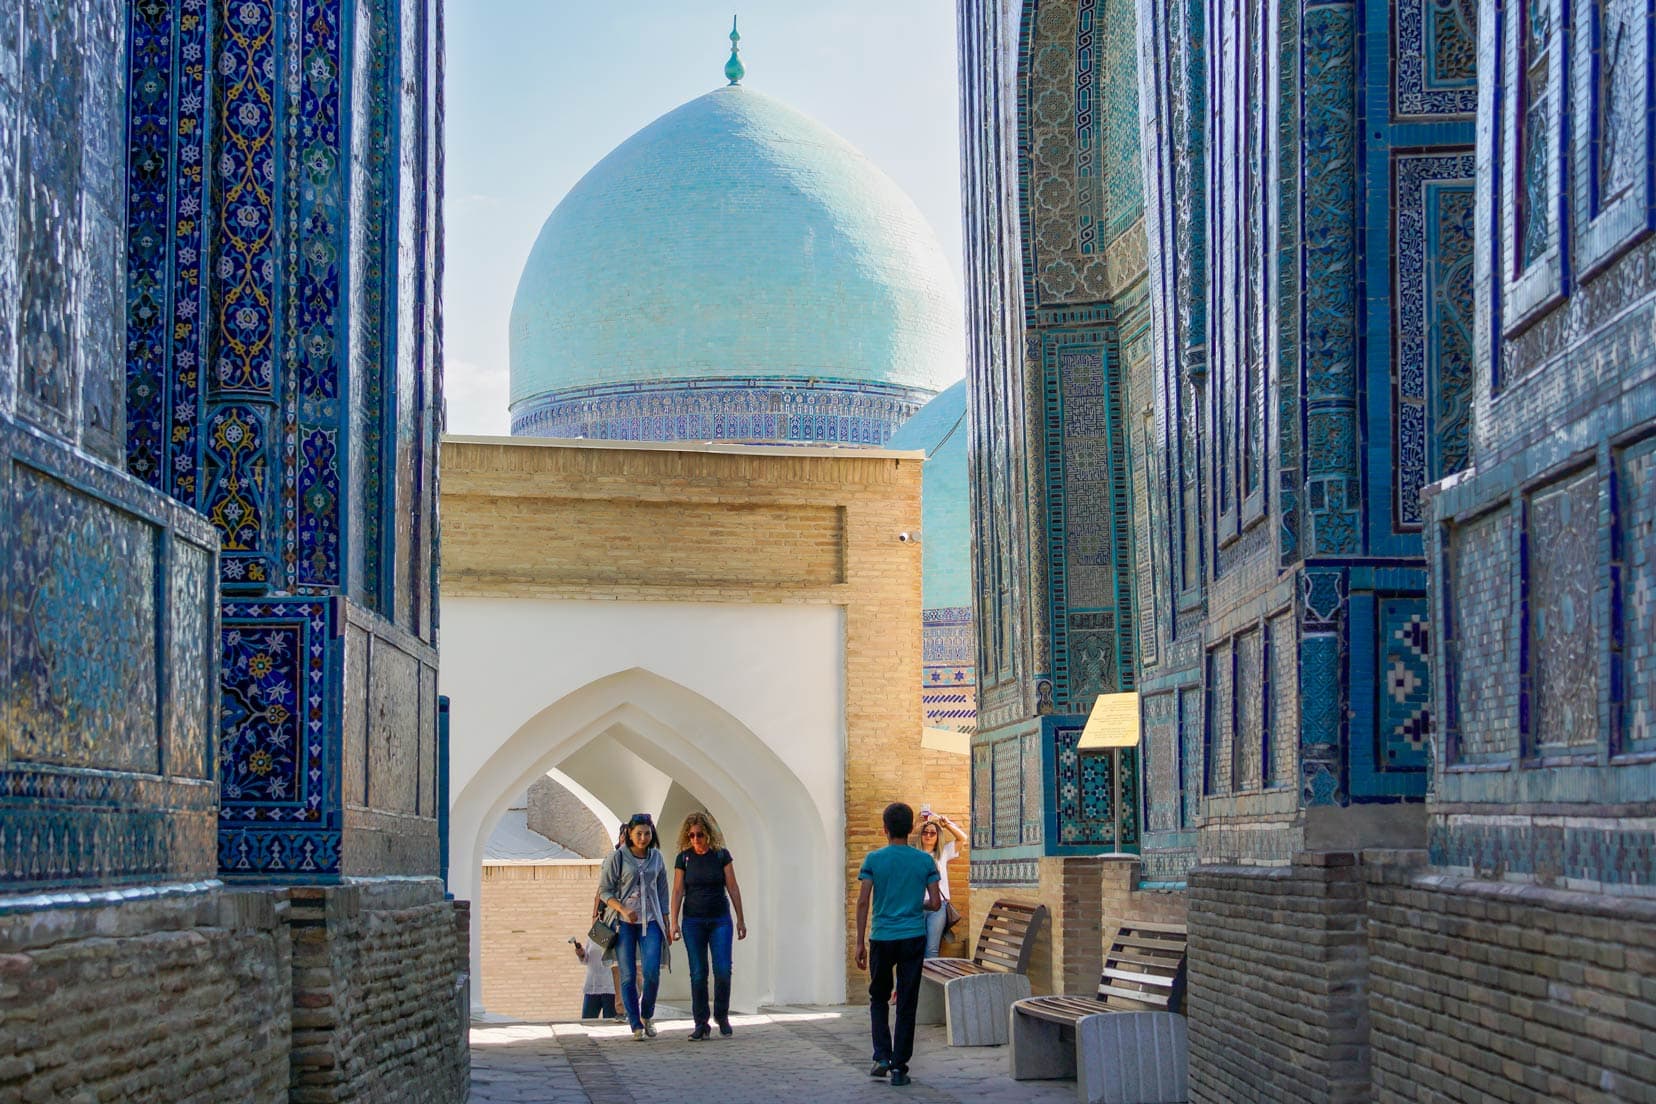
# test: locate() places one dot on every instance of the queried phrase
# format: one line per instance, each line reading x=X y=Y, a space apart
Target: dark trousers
x=899 y=959
x=598 y=1005
x=702 y=936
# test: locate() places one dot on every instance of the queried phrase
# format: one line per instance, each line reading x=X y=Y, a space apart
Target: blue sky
x=539 y=90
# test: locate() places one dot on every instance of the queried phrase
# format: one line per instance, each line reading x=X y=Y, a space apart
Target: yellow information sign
x=1113 y=723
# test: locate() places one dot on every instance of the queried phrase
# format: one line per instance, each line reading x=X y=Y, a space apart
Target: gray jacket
x=616 y=879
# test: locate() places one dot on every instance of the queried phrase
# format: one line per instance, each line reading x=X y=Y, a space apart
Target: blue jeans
x=701 y=935
x=935 y=923
x=631 y=938
x=597 y=1006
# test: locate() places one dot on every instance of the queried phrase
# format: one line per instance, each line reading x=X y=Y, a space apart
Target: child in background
x=902 y=881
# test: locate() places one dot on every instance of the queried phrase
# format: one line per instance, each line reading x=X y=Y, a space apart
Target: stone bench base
x=974 y=1008
x=1115 y=1057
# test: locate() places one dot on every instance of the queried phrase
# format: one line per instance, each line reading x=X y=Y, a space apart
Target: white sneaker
x=649 y=1028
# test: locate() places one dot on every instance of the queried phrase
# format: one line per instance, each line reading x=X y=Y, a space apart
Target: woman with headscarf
x=704 y=889
x=633 y=885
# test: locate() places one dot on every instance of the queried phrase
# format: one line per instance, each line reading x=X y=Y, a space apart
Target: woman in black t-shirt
x=704 y=888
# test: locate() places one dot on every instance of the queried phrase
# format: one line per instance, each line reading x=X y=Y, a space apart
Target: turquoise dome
x=939 y=429
x=734 y=239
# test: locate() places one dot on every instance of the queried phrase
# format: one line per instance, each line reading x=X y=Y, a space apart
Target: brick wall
x=179 y=999
x=379 y=1008
x=1070 y=950
x=1124 y=900
x=529 y=913
x=1277 y=1001
x=1493 y=991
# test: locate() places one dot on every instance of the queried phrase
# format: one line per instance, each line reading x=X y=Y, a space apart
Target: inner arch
x=777 y=831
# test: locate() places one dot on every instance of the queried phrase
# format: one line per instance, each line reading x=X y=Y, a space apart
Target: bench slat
x=1152 y=945
x=1109 y=994
x=1059 y=1009
x=1165 y=962
x=1140 y=979
x=1165 y=929
x=1009 y=930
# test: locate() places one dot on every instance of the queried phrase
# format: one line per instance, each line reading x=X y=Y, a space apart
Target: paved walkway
x=785 y=1054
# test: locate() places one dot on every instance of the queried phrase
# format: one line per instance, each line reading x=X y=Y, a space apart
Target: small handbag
x=951 y=915
x=603 y=935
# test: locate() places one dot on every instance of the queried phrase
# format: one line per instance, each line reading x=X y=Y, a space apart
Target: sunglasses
x=697 y=833
x=640 y=818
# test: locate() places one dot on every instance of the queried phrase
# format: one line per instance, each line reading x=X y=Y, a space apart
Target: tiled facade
x=282 y=379
x=1382 y=530
x=107 y=601
x=217 y=532
x=1059 y=321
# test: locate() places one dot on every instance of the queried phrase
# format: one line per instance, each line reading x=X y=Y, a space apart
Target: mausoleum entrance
x=635 y=741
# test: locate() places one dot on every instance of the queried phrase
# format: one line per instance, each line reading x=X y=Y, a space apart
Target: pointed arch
x=789 y=849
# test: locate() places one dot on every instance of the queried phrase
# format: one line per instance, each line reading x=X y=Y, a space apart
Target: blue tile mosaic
x=282 y=661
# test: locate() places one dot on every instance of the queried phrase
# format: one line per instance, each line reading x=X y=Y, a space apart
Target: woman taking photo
x=633 y=884
x=941 y=849
x=704 y=888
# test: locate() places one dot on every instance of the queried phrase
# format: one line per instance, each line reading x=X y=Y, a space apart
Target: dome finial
x=734 y=70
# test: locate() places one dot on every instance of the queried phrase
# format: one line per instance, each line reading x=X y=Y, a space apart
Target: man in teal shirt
x=898 y=877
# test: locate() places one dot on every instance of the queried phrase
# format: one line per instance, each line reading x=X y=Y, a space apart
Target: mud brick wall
x=1277 y=1003
x=179 y=998
x=1495 y=991
x=529 y=913
x=378 y=994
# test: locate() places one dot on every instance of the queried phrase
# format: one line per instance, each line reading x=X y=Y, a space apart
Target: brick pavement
x=784 y=1054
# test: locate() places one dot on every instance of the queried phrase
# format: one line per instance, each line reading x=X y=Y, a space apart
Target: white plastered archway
x=771 y=822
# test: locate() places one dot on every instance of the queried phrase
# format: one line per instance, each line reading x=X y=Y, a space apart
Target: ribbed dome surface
x=939 y=428
x=734 y=239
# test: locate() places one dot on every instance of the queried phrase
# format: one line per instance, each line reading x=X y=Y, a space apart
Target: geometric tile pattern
x=1432 y=321
x=1163 y=792
x=166 y=199
x=282 y=664
x=102 y=583
x=1435 y=58
x=1482 y=678
x=772 y=410
x=1283 y=700
x=256 y=387
x=1601 y=852
x=1636 y=552
x=1109 y=190
x=1085 y=785
x=983 y=796
x=1405 y=678
x=948 y=689
x=1561 y=573
x=1248 y=744
x=1610 y=123
x=1088 y=520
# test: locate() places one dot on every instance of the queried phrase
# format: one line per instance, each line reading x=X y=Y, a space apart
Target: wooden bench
x=972 y=995
x=1063 y=1036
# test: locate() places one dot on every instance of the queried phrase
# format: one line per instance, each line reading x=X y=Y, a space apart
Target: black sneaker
x=880 y=1069
x=701 y=1032
x=724 y=1029
x=899 y=1079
